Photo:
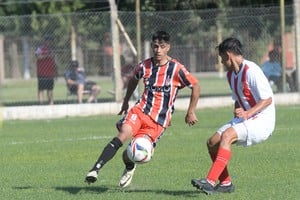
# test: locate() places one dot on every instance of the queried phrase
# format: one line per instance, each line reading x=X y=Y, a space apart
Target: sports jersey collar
x=165 y=64
x=241 y=67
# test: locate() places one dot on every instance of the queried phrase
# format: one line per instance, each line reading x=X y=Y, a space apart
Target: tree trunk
x=14 y=62
x=2 y=69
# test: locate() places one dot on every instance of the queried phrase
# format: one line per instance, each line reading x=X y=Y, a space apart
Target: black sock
x=108 y=153
x=128 y=163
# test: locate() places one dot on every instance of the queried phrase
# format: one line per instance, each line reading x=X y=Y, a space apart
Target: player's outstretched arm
x=132 y=84
x=191 y=117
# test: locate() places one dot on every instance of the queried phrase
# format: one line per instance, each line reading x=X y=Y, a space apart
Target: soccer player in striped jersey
x=253 y=121
x=163 y=76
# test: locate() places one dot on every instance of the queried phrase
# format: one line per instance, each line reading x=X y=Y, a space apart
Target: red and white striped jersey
x=249 y=86
x=162 y=84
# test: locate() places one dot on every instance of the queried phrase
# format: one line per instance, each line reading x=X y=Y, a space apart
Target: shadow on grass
x=75 y=190
x=177 y=193
x=71 y=189
x=22 y=187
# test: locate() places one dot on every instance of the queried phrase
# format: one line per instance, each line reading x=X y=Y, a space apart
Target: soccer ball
x=140 y=150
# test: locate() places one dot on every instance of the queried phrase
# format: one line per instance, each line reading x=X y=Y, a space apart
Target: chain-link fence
x=194 y=35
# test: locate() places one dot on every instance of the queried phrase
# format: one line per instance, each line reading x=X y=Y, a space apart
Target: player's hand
x=191 y=119
x=124 y=108
x=240 y=113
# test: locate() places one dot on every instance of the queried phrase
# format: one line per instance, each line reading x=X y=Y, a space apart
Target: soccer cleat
x=203 y=185
x=126 y=177
x=225 y=188
x=197 y=183
x=91 y=177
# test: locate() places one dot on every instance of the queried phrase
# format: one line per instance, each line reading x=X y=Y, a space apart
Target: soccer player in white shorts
x=253 y=121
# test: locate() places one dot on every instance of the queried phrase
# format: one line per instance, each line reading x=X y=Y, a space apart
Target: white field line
x=106 y=137
x=64 y=140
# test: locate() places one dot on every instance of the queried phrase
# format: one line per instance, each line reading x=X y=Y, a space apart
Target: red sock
x=223 y=156
x=224 y=177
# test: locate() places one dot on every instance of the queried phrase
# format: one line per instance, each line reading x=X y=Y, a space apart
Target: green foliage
x=50 y=7
x=48 y=159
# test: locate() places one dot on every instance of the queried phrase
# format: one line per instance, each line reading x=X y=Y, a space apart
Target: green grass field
x=48 y=159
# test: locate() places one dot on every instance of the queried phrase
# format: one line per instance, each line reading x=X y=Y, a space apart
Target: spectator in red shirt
x=46 y=70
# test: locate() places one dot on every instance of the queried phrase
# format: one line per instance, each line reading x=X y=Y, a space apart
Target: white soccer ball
x=140 y=150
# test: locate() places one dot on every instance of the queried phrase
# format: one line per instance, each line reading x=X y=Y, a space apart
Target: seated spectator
x=76 y=81
x=291 y=79
x=272 y=69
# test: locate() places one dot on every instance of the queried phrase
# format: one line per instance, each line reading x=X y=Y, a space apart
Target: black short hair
x=161 y=36
x=74 y=63
x=232 y=45
x=273 y=54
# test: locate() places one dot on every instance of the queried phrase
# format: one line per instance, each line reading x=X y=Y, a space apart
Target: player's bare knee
x=209 y=144
x=214 y=141
x=226 y=138
x=125 y=132
x=212 y=147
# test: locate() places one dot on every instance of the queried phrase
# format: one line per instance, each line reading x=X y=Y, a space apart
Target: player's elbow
x=196 y=89
x=268 y=101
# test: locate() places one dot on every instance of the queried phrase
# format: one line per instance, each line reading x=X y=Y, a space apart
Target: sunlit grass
x=48 y=159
